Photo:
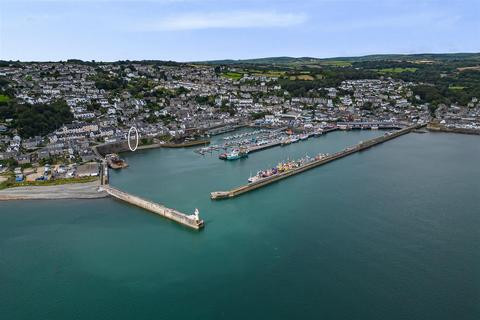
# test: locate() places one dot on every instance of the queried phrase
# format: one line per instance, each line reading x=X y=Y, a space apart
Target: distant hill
x=288 y=61
x=336 y=60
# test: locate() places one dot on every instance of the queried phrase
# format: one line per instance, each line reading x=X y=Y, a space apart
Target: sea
x=392 y=232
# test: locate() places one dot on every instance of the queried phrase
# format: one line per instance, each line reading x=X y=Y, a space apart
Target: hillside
x=426 y=57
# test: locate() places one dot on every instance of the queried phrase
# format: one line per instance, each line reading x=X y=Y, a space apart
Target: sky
x=197 y=30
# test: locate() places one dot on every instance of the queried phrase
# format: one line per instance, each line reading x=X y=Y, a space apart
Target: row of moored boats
x=284 y=167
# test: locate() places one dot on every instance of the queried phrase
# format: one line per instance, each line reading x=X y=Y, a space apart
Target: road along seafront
x=346 y=152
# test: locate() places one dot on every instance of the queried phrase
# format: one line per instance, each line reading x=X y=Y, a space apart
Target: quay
x=276 y=143
x=352 y=125
x=436 y=127
x=264 y=146
x=192 y=221
x=346 y=152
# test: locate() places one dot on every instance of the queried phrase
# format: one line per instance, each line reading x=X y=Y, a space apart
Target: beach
x=88 y=190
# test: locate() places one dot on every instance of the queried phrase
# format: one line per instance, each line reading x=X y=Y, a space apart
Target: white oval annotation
x=136 y=139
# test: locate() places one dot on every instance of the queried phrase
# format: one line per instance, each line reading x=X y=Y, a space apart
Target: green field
x=233 y=75
x=4 y=98
x=397 y=70
x=269 y=73
x=337 y=63
x=456 y=88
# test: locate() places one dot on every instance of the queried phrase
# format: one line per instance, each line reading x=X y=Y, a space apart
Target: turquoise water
x=389 y=233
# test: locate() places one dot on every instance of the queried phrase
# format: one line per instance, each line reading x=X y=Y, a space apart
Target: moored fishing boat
x=285 y=142
x=222 y=156
x=284 y=167
x=115 y=162
x=234 y=154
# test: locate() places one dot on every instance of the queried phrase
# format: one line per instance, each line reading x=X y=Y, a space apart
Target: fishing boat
x=235 y=154
x=115 y=162
x=262 y=142
x=286 y=142
x=254 y=178
x=304 y=136
x=284 y=167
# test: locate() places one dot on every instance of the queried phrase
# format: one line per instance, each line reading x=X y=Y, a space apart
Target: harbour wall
x=122 y=146
x=348 y=151
x=113 y=147
x=190 y=221
x=441 y=128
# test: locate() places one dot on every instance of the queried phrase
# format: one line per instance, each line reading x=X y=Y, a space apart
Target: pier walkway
x=192 y=221
x=346 y=152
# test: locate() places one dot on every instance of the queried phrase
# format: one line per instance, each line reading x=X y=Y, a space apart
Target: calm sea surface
x=389 y=233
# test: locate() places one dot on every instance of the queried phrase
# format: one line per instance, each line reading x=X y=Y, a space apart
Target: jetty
x=338 y=155
x=264 y=146
x=189 y=220
x=192 y=221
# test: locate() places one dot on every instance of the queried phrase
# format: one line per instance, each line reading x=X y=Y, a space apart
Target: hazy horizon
x=243 y=59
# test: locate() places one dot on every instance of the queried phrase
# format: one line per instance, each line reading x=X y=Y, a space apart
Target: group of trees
x=228 y=107
x=107 y=82
x=5 y=90
x=447 y=78
x=443 y=94
x=331 y=77
x=36 y=120
x=260 y=115
x=447 y=81
x=210 y=100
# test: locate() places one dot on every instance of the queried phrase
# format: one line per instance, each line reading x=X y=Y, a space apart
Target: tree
x=36 y=120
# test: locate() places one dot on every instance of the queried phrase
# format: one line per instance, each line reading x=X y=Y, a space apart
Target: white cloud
x=226 y=20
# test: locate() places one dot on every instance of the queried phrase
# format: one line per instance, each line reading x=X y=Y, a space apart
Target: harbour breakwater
x=346 y=152
x=192 y=221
